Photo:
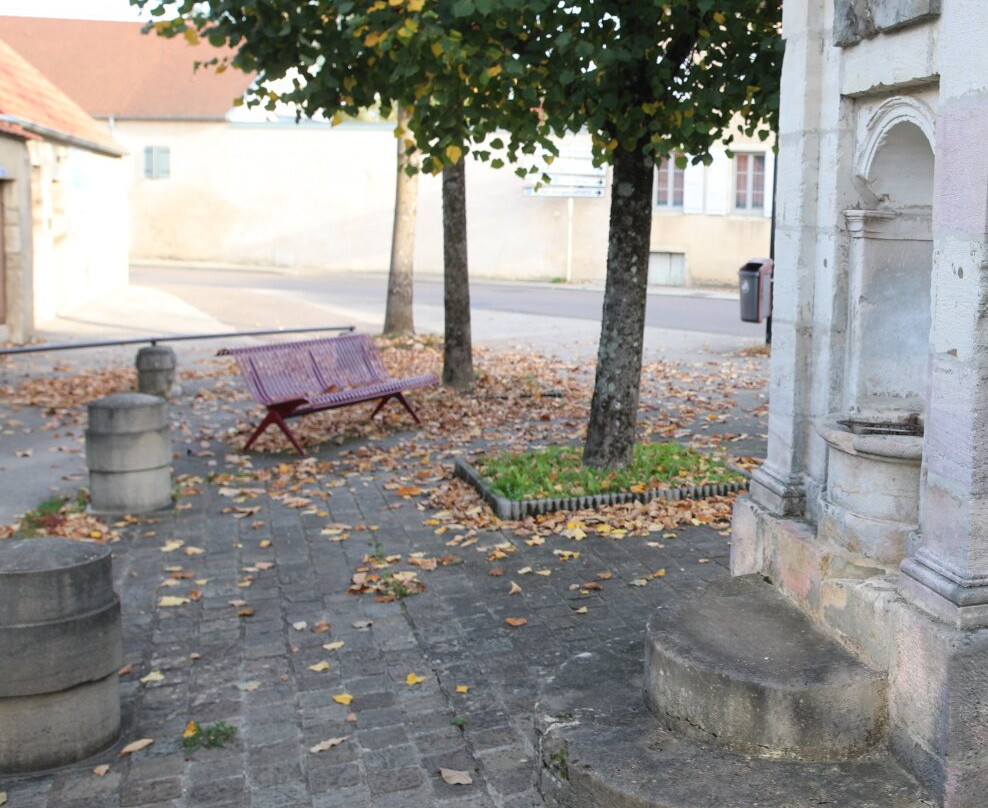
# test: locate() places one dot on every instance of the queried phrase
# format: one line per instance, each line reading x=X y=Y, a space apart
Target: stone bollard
x=128 y=453
x=62 y=647
x=156 y=371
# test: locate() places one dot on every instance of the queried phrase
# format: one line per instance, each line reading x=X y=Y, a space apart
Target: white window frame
x=157 y=163
x=664 y=198
x=745 y=194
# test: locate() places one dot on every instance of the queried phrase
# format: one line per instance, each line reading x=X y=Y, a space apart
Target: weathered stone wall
x=855 y=20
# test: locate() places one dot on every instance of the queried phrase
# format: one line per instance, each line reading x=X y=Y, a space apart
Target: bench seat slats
x=297 y=378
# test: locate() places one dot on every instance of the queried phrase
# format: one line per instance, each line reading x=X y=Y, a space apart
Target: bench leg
x=274 y=417
x=404 y=403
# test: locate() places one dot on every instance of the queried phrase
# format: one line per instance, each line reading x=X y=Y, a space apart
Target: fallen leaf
x=581 y=610
x=322 y=746
x=333 y=646
x=126 y=670
x=605 y=576
x=543 y=573
x=300 y=625
x=320 y=667
x=172 y=545
x=638 y=582
x=248 y=687
x=171 y=600
x=246 y=611
x=515 y=622
x=463 y=688
x=566 y=555
x=322 y=627
x=99 y=771
x=659 y=574
x=191 y=729
x=515 y=589
x=363 y=625
x=496 y=572
x=3 y=797
x=351 y=718
x=414 y=679
x=193 y=551
x=343 y=698
x=153 y=676
x=455 y=778
x=135 y=746
x=263 y=543
x=264 y=565
x=524 y=570
x=237 y=603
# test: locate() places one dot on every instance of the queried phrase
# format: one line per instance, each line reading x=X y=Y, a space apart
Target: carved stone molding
x=855 y=20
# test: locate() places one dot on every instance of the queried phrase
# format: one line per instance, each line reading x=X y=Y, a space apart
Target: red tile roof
x=31 y=105
x=113 y=70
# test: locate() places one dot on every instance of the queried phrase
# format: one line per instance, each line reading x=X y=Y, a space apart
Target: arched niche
x=890 y=262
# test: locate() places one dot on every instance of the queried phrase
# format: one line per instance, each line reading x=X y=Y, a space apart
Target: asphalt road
x=250 y=299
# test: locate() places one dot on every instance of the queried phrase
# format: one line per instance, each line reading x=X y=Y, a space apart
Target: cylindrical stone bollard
x=156 y=370
x=61 y=649
x=128 y=452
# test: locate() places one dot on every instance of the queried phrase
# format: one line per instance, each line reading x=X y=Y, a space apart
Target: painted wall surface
x=17 y=242
x=80 y=218
x=312 y=196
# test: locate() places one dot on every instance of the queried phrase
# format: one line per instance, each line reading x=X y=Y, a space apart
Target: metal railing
x=70 y=346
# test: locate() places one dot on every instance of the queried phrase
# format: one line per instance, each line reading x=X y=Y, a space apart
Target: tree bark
x=614 y=407
x=398 y=318
x=457 y=352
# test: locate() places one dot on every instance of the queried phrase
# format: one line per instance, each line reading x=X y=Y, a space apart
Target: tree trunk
x=614 y=408
x=398 y=310
x=457 y=353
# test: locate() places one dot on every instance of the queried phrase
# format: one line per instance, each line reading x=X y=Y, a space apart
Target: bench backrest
x=289 y=371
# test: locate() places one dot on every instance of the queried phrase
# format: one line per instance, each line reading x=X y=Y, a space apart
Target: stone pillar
x=156 y=370
x=128 y=452
x=939 y=677
x=62 y=646
x=777 y=485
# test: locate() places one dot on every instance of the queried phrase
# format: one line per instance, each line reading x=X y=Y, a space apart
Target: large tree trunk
x=398 y=311
x=614 y=408
x=457 y=354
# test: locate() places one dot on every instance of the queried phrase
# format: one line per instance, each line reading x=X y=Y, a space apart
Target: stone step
x=600 y=747
x=741 y=666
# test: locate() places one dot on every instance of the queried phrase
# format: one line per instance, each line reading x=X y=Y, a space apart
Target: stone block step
x=600 y=747
x=740 y=665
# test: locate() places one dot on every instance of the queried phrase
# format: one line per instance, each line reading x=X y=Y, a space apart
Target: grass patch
x=557 y=471
x=208 y=736
x=50 y=514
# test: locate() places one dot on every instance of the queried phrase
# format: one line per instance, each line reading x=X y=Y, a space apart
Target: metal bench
x=293 y=379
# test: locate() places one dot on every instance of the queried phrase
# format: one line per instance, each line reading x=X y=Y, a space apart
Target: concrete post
x=128 y=452
x=156 y=370
x=62 y=646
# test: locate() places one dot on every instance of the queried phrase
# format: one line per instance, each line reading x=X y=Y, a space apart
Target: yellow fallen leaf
x=153 y=676
x=566 y=555
x=322 y=746
x=320 y=667
x=659 y=574
x=463 y=688
x=581 y=610
x=524 y=570
x=193 y=551
x=135 y=746
x=172 y=545
x=516 y=622
x=264 y=543
x=414 y=679
x=455 y=778
x=3 y=797
x=515 y=589
x=543 y=573
x=343 y=698
x=332 y=646
x=99 y=771
x=191 y=729
x=171 y=600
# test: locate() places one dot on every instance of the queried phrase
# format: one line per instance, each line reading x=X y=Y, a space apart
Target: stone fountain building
x=853 y=642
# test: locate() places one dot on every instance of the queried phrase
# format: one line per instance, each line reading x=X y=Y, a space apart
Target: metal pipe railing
x=69 y=346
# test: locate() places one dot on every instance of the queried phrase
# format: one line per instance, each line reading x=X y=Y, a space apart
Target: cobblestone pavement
x=261 y=673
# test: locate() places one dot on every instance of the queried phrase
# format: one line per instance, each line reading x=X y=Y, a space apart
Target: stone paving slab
x=256 y=674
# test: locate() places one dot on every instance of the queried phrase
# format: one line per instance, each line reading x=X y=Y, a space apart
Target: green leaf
x=463 y=8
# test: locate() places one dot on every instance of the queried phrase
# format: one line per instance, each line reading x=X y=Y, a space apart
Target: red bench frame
x=293 y=379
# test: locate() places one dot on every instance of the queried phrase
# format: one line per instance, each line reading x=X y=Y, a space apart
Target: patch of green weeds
x=558 y=761
x=557 y=471
x=208 y=736
x=50 y=513
x=458 y=721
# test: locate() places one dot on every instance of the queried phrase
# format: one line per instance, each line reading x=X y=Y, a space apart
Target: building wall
x=16 y=250
x=80 y=217
x=314 y=197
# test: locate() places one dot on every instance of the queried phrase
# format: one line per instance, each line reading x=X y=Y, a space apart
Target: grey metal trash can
x=755 y=283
